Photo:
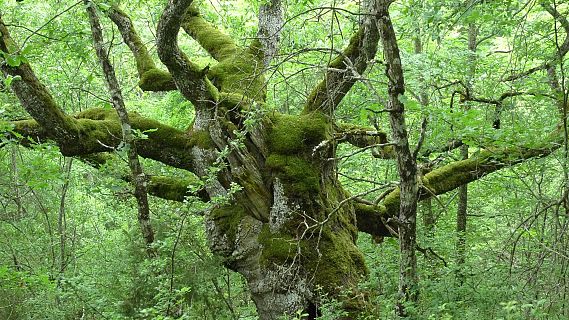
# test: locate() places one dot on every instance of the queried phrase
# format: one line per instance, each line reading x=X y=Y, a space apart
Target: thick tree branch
x=270 y=26
x=450 y=177
x=99 y=130
x=189 y=78
x=164 y=187
x=240 y=70
x=151 y=78
x=218 y=44
x=175 y=189
x=364 y=137
x=35 y=97
x=345 y=70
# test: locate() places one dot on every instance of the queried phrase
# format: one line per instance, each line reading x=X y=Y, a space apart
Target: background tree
x=271 y=185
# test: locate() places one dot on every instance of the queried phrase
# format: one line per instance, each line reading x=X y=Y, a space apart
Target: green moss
x=96 y=123
x=392 y=201
x=256 y=49
x=228 y=218
x=293 y=134
x=97 y=131
x=201 y=139
x=239 y=69
x=156 y=80
x=320 y=93
x=299 y=176
x=240 y=73
x=231 y=100
x=340 y=265
x=278 y=248
x=352 y=49
x=159 y=131
x=169 y=188
x=97 y=114
x=291 y=141
x=218 y=44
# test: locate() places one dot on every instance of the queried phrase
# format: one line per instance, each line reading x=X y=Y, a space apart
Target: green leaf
x=104 y=6
x=13 y=61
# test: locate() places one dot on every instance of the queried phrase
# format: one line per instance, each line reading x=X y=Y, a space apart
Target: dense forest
x=303 y=159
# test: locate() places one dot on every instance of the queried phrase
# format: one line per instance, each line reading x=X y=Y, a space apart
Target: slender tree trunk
x=462 y=209
x=461 y=223
x=406 y=164
x=16 y=183
x=138 y=176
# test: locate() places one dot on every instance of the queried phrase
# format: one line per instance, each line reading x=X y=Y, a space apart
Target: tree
x=279 y=214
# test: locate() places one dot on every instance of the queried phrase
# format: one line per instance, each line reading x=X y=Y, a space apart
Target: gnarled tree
x=286 y=223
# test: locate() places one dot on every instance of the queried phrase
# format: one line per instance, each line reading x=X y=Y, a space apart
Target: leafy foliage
x=92 y=264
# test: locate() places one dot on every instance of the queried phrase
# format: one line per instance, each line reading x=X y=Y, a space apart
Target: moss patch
x=227 y=219
x=218 y=44
x=172 y=188
x=293 y=134
x=340 y=265
x=240 y=73
x=298 y=175
x=156 y=80
x=202 y=139
x=278 y=248
x=291 y=141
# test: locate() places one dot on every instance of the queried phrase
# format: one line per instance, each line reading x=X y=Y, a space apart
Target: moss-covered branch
x=218 y=44
x=240 y=70
x=364 y=137
x=164 y=187
x=33 y=95
x=151 y=78
x=99 y=130
x=345 y=70
x=175 y=189
x=189 y=78
x=450 y=177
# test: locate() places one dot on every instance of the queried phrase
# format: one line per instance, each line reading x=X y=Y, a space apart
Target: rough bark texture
x=270 y=26
x=288 y=227
x=406 y=163
x=137 y=174
x=462 y=208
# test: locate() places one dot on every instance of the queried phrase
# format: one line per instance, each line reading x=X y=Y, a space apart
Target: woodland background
x=70 y=244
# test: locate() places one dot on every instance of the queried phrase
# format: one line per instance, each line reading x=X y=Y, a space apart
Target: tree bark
x=278 y=214
x=462 y=209
x=138 y=176
x=406 y=164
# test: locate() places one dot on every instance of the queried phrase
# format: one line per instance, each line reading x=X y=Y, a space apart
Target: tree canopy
x=282 y=132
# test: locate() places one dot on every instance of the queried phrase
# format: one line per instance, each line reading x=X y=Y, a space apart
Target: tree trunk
x=406 y=164
x=461 y=212
x=306 y=244
x=461 y=223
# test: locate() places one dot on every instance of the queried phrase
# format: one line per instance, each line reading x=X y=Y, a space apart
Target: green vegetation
x=279 y=184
